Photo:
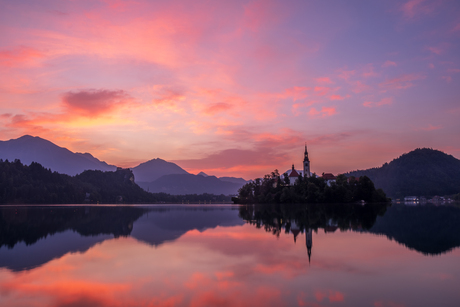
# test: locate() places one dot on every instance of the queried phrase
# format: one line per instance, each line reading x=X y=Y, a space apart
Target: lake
x=266 y=255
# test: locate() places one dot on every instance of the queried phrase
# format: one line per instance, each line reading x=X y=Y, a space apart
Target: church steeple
x=309 y=242
x=306 y=163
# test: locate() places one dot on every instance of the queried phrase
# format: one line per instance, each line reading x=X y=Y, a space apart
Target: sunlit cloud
x=389 y=63
x=324 y=112
x=401 y=82
x=93 y=103
x=430 y=127
x=382 y=102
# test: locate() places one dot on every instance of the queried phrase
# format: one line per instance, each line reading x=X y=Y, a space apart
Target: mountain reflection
x=430 y=230
x=32 y=236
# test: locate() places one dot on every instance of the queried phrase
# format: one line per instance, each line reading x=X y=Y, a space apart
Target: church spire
x=306 y=163
x=306 y=153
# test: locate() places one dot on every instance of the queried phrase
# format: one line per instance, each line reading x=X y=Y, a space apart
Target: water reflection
x=51 y=232
x=428 y=229
x=325 y=255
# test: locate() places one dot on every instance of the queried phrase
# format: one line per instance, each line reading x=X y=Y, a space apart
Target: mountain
x=180 y=184
x=239 y=181
x=421 y=172
x=154 y=169
x=30 y=149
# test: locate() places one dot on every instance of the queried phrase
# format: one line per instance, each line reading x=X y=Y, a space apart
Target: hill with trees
x=421 y=172
x=34 y=184
x=30 y=149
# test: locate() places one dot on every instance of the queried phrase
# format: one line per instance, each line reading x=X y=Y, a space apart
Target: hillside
x=35 y=184
x=30 y=149
x=190 y=184
x=422 y=172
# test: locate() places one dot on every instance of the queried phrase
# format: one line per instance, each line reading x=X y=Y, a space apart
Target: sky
x=233 y=88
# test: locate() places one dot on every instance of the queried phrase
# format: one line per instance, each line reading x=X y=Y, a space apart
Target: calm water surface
x=316 y=255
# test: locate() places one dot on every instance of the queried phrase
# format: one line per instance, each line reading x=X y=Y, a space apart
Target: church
x=293 y=174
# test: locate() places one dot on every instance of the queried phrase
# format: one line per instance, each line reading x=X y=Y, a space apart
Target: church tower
x=306 y=163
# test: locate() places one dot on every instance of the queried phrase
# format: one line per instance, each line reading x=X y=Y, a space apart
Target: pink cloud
x=453 y=70
x=415 y=8
x=368 y=71
x=389 y=63
x=435 y=50
x=260 y=13
x=324 y=112
x=431 y=65
x=20 y=56
x=324 y=80
x=322 y=90
x=359 y=87
x=295 y=92
x=411 y=7
x=447 y=78
x=456 y=27
x=217 y=108
x=92 y=103
x=382 y=102
x=401 y=82
x=336 y=97
x=345 y=74
x=430 y=127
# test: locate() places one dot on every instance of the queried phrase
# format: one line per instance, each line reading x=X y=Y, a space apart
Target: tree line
x=274 y=189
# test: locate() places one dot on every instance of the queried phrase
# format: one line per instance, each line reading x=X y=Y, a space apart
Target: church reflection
x=407 y=225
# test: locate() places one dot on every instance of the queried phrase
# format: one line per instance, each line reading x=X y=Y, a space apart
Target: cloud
x=20 y=56
x=368 y=71
x=93 y=103
x=456 y=28
x=430 y=127
x=295 y=92
x=389 y=63
x=358 y=87
x=324 y=80
x=382 y=102
x=439 y=49
x=217 y=108
x=345 y=74
x=324 y=112
x=336 y=97
x=322 y=90
x=401 y=82
x=447 y=78
x=414 y=8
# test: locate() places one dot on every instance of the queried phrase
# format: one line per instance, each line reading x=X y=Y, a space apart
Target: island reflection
x=428 y=229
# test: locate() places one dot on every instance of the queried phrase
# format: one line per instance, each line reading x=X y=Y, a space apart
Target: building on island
x=330 y=178
x=293 y=176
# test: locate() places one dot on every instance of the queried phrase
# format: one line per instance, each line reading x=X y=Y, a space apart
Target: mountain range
x=149 y=175
x=421 y=172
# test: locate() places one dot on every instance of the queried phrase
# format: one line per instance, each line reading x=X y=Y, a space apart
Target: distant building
x=411 y=200
x=330 y=178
